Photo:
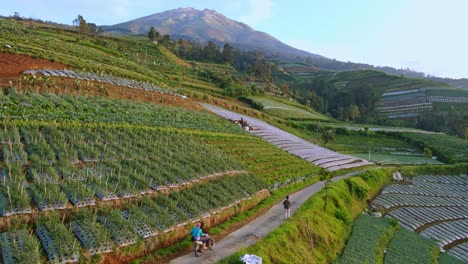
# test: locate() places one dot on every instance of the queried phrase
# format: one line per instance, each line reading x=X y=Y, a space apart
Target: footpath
x=256 y=229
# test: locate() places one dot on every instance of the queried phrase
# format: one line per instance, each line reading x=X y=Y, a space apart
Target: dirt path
x=256 y=229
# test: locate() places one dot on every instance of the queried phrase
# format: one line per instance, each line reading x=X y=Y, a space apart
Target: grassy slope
x=283 y=108
x=124 y=57
x=316 y=233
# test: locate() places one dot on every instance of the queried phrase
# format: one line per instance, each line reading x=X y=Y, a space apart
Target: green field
x=287 y=109
x=396 y=159
x=368 y=240
x=446 y=148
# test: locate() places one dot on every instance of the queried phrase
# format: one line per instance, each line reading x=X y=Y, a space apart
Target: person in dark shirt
x=287 y=207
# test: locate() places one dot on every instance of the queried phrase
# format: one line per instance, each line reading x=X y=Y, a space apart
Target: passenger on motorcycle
x=197 y=235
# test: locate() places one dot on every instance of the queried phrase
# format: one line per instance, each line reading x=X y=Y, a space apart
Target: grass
x=286 y=109
x=317 y=232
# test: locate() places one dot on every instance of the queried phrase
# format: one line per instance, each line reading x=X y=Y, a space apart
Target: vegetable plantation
x=34 y=106
x=287 y=109
x=447 y=149
x=368 y=240
x=263 y=159
x=409 y=247
x=163 y=178
x=381 y=240
x=435 y=207
x=54 y=163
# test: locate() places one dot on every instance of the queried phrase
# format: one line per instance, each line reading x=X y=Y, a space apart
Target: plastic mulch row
x=120 y=236
x=12 y=211
x=142 y=229
x=110 y=196
x=12 y=240
x=88 y=240
x=50 y=246
x=81 y=202
x=49 y=206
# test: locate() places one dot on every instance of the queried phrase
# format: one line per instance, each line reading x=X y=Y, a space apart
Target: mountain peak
x=202 y=26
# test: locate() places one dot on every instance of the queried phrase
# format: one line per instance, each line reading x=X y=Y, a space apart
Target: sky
x=424 y=35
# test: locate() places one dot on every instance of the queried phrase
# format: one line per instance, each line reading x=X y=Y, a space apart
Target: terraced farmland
x=106 y=184
x=263 y=159
x=98 y=78
x=283 y=110
x=367 y=236
x=319 y=156
x=436 y=207
x=48 y=106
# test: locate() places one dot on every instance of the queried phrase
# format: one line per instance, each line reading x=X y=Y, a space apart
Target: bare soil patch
x=11 y=65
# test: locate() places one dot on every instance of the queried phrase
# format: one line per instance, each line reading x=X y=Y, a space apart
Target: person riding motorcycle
x=198 y=235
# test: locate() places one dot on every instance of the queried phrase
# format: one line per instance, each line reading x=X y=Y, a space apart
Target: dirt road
x=256 y=229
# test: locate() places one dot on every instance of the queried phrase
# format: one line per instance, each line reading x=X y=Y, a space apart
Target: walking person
x=287 y=207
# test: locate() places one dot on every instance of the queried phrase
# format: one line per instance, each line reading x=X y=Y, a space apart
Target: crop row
x=414 y=218
x=263 y=159
x=447 y=149
x=409 y=247
x=368 y=239
x=99 y=78
x=389 y=200
x=54 y=164
x=425 y=190
x=102 y=230
x=433 y=205
x=447 y=232
x=34 y=106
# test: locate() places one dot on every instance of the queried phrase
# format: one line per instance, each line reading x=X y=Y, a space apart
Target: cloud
x=259 y=11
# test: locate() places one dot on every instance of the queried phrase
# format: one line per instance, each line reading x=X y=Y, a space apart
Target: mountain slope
x=202 y=26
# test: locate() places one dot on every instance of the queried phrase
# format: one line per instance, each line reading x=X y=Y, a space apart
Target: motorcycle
x=198 y=246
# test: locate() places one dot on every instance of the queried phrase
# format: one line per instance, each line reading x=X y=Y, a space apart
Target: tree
x=93 y=28
x=354 y=112
x=81 y=24
x=328 y=136
x=427 y=153
x=153 y=34
x=228 y=54
x=211 y=51
x=165 y=40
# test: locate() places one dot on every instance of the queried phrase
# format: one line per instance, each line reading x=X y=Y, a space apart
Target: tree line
x=251 y=63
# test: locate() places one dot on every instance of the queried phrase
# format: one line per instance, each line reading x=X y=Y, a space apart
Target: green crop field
x=409 y=247
x=446 y=148
x=52 y=107
x=285 y=109
x=368 y=240
x=262 y=158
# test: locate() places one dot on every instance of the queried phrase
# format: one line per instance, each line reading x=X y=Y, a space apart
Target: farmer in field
x=287 y=207
x=197 y=235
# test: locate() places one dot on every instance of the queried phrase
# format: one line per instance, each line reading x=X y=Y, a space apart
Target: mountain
x=202 y=26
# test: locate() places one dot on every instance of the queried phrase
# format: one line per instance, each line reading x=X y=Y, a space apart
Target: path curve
x=258 y=228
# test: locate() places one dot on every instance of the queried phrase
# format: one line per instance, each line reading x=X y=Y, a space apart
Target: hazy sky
x=424 y=35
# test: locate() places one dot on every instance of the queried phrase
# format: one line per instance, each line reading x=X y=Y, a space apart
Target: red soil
x=11 y=65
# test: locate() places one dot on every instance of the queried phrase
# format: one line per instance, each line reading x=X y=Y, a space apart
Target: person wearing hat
x=197 y=235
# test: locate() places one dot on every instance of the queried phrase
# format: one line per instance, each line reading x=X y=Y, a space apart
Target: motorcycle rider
x=198 y=235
